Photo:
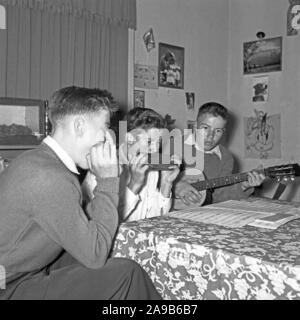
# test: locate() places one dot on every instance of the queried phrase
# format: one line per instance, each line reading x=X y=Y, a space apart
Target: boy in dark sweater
x=50 y=247
x=214 y=161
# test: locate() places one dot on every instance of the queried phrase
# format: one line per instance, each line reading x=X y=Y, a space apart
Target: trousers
x=67 y=279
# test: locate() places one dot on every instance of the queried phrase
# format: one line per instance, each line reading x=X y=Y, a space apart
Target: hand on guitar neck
x=255 y=179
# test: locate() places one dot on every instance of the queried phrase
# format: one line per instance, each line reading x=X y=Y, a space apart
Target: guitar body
x=192 y=175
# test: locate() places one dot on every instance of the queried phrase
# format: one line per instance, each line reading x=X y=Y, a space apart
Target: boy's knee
x=127 y=265
x=129 y=269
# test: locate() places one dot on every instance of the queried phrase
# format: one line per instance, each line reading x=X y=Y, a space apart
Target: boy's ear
x=79 y=126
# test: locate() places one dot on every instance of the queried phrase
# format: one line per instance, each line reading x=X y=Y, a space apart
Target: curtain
x=49 y=44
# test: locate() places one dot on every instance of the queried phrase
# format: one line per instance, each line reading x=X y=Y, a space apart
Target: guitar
x=282 y=174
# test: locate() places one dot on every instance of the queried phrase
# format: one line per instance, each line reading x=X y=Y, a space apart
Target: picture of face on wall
x=139 y=99
x=171 y=66
x=190 y=100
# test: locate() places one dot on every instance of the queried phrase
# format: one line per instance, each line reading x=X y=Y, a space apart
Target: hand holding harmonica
x=168 y=176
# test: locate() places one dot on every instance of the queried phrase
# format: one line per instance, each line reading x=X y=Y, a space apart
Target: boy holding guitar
x=217 y=162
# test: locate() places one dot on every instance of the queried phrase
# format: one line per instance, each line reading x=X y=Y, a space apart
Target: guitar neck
x=223 y=181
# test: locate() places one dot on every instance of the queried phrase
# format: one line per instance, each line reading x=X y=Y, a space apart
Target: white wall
x=201 y=27
x=270 y=16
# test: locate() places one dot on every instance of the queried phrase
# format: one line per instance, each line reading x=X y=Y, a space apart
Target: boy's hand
x=187 y=193
x=138 y=167
x=103 y=160
x=255 y=179
x=168 y=176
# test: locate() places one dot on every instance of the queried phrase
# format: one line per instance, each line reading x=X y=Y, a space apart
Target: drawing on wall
x=148 y=38
x=139 y=99
x=262 y=55
x=260 y=87
x=145 y=76
x=171 y=66
x=263 y=136
x=190 y=100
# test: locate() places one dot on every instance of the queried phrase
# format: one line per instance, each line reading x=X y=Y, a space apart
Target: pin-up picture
x=170 y=66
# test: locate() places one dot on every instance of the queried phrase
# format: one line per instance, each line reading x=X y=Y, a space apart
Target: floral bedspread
x=193 y=260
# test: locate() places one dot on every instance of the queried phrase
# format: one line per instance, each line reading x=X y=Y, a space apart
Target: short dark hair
x=214 y=108
x=144 y=118
x=78 y=100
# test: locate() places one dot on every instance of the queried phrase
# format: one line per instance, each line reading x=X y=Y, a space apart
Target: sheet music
x=259 y=205
x=273 y=221
x=234 y=214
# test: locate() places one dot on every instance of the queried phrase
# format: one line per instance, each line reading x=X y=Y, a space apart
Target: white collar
x=190 y=140
x=61 y=153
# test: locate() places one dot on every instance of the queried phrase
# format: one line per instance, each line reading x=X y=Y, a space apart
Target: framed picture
x=170 y=66
x=139 y=99
x=263 y=55
x=22 y=123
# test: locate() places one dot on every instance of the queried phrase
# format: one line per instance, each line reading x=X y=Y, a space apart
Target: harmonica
x=162 y=167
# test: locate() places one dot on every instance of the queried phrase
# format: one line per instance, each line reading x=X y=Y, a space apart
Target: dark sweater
x=214 y=167
x=41 y=214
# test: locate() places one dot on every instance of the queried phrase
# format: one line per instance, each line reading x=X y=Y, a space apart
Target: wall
x=212 y=33
x=201 y=27
x=246 y=17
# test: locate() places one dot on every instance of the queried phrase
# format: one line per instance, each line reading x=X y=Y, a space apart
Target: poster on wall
x=293 y=18
x=171 y=66
x=260 y=89
x=139 y=99
x=262 y=56
x=263 y=136
x=145 y=76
